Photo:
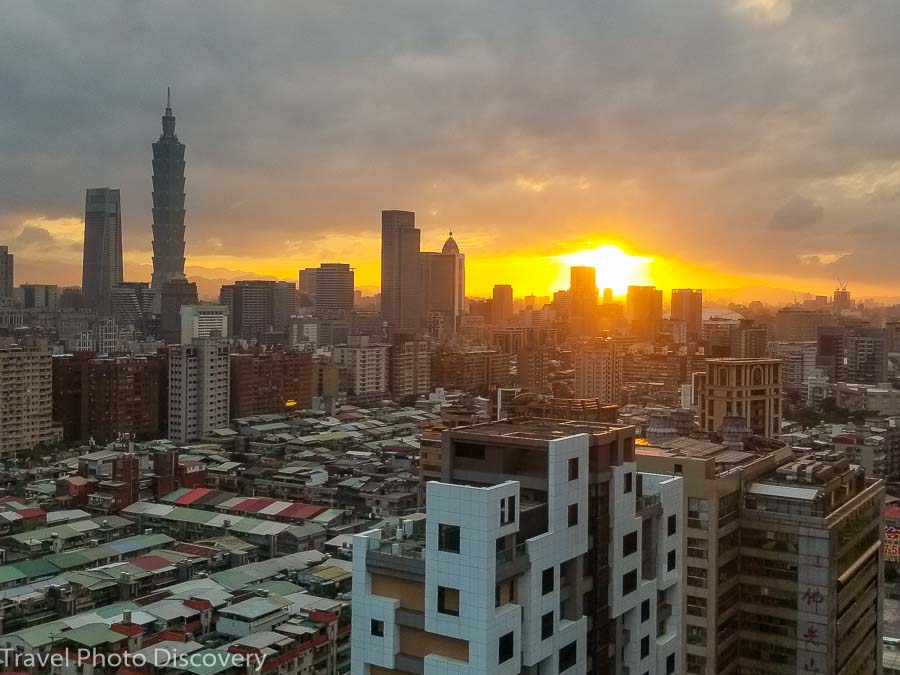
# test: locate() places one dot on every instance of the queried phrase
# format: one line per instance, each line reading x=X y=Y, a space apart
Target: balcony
x=512 y=562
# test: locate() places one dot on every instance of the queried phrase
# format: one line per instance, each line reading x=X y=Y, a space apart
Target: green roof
x=173 y=496
x=80 y=557
x=92 y=635
x=63 y=531
x=233 y=579
x=36 y=568
x=38 y=636
x=280 y=587
x=89 y=581
x=190 y=515
x=115 y=608
x=8 y=574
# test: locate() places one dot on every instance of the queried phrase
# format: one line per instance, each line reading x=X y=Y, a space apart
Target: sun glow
x=615 y=268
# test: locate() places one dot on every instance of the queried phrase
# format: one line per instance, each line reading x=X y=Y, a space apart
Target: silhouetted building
x=44 y=297
x=643 y=308
x=444 y=289
x=102 y=264
x=502 y=304
x=168 y=204
x=250 y=307
x=7 y=276
x=687 y=305
x=334 y=285
x=400 y=271
x=307 y=288
x=175 y=294
x=583 y=295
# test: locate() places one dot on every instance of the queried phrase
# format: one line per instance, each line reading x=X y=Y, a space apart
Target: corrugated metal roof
x=275 y=508
x=788 y=491
x=172 y=497
x=192 y=496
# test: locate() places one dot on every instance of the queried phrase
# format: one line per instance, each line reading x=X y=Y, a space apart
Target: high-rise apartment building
x=270 y=381
x=400 y=271
x=26 y=403
x=643 y=309
x=101 y=398
x=284 y=304
x=748 y=340
x=865 y=350
x=800 y=324
x=198 y=388
x=749 y=389
x=599 y=371
x=368 y=367
x=333 y=288
x=102 y=264
x=168 y=204
x=783 y=559
x=203 y=321
x=583 y=296
x=7 y=274
x=409 y=368
x=687 y=305
x=473 y=370
x=542 y=550
x=798 y=363
x=250 y=307
x=502 y=304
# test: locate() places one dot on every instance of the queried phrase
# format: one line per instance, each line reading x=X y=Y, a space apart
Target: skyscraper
x=583 y=295
x=102 y=264
x=643 y=307
x=168 y=204
x=6 y=274
x=400 y=283
x=443 y=289
x=687 y=305
x=334 y=287
x=502 y=304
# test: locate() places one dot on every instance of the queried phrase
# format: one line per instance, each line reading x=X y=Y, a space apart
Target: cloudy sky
x=734 y=142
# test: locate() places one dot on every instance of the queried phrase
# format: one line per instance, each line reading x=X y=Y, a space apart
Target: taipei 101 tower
x=168 y=204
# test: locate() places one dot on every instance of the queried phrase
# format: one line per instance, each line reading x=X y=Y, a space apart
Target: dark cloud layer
x=513 y=117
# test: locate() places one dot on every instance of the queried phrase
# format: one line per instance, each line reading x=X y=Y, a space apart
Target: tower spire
x=169 y=98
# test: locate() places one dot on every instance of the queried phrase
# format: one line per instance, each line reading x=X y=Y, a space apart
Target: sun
x=615 y=268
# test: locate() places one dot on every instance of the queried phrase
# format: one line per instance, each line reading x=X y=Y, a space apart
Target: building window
x=568 y=656
x=377 y=628
x=448 y=601
x=645 y=646
x=448 y=538
x=698 y=513
x=505 y=647
x=573 y=468
x=508 y=510
x=670 y=664
x=670 y=560
x=629 y=582
x=678 y=469
x=673 y=524
x=547 y=625
x=629 y=482
x=629 y=544
x=547 y=581
x=645 y=611
x=573 y=515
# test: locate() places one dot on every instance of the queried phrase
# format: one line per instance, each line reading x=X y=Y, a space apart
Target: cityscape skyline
x=776 y=211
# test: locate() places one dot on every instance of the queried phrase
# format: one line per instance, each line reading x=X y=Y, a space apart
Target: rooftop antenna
x=168 y=97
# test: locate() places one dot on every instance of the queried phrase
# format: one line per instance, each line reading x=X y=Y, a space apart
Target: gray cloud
x=307 y=118
x=797 y=213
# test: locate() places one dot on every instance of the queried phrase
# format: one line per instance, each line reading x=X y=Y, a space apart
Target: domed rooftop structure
x=450 y=246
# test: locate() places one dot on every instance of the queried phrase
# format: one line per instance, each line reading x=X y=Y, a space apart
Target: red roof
x=301 y=511
x=892 y=513
x=253 y=504
x=32 y=512
x=11 y=498
x=192 y=496
x=192 y=549
x=150 y=562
